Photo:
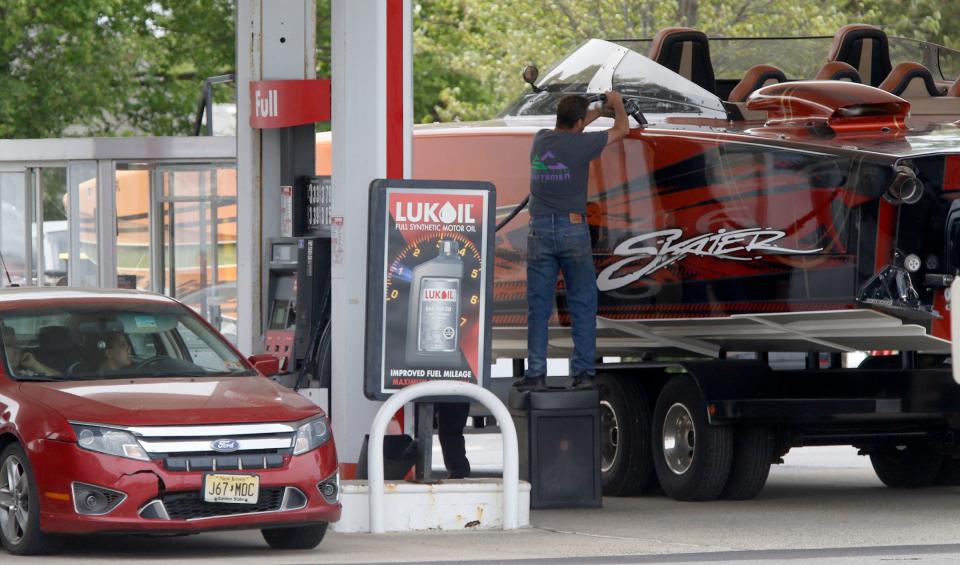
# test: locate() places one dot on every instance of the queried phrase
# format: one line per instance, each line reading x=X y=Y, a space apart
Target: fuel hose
x=513 y=213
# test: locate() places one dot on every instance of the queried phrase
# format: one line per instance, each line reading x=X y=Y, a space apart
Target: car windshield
x=598 y=66
x=101 y=341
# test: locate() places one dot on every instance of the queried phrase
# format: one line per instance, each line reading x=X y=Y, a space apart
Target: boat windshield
x=801 y=57
x=598 y=66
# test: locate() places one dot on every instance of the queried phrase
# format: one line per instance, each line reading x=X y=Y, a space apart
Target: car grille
x=191 y=448
x=191 y=506
x=244 y=462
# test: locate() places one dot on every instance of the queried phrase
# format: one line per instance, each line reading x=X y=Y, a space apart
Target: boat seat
x=686 y=52
x=954 y=89
x=838 y=70
x=910 y=80
x=947 y=106
x=865 y=48
x=756 y=77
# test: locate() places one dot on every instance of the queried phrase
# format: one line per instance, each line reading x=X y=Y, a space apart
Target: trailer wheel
x=691 y=457
x=752 y=453
x=625 y=465
x=913 y=465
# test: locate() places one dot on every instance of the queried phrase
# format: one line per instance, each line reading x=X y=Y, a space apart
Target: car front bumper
x=57 y=465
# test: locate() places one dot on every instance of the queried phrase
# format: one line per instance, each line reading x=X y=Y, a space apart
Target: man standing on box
x=559 y=238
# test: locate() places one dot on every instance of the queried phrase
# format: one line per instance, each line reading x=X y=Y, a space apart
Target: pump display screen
x=283 y=252
x=280 y=314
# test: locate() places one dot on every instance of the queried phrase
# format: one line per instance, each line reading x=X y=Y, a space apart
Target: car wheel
x=300 y=537
x=20 y=507
x=913 y=465
x=691 y=457
x=752 y=453
x=626 y=467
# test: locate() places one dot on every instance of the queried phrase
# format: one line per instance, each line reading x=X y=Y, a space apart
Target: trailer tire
x=753 y=448
x=913 y=465
x=626 y=468
x=698 y=463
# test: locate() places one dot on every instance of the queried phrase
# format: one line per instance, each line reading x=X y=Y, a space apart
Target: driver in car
x=113 y=352
x=23 y=363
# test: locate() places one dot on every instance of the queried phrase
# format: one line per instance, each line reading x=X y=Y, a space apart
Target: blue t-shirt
x=559 y=167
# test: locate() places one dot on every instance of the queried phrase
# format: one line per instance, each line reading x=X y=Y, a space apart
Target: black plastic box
x=558 y=432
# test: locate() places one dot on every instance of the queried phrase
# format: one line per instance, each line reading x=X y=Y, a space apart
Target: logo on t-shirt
x=546 y=167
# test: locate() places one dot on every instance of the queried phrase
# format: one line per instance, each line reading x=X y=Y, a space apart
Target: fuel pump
x=296 y=308
x=298 y=317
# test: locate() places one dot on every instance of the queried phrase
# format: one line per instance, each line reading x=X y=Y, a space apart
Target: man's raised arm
x=621 y=126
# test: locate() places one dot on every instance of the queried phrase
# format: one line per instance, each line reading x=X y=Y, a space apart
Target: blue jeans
x=555 y=244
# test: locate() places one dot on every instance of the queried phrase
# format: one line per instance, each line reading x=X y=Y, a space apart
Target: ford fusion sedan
x=123 y=411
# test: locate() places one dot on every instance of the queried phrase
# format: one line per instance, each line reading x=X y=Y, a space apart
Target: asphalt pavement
x=823 y=505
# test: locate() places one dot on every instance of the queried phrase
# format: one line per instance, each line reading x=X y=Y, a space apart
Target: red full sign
x=286 y=103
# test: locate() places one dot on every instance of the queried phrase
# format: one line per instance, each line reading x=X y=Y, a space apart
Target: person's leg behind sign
x=542 y=271
x=575 y=254
x=451 y=418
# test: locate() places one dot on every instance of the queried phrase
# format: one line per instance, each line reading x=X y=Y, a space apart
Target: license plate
x=230 y=488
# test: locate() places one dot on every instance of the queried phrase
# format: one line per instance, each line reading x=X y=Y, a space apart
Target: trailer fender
x=723 y=381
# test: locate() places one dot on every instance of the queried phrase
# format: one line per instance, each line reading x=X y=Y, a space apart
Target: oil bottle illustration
x=433 y=329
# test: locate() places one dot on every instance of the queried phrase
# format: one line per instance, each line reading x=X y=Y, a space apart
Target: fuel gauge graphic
x=434 y=309
x=436 y=278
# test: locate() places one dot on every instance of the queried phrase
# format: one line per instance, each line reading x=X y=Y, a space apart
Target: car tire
x=914 y=465
x=299 y=537
x=752 y=454
x=692 y=458
x=20 y=530
x=626 y=466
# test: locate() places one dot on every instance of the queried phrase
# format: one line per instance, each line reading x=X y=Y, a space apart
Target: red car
x=124 y=411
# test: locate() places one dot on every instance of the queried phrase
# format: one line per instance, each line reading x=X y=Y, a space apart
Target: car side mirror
x=265 y=364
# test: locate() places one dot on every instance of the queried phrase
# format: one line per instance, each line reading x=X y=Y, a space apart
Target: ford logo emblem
x=225 y=445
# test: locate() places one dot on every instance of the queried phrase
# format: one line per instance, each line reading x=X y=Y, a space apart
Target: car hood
x=172 y=401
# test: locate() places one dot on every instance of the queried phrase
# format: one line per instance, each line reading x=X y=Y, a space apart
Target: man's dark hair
x=571 y=109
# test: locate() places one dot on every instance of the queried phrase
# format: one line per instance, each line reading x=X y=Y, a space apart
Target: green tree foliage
x=184 y=42
x=109 y=66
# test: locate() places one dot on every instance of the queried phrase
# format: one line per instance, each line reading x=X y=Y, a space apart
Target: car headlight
x=109 y=441
x=311 y=435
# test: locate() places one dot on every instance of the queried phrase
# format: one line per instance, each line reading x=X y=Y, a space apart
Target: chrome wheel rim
x=14 y=500
x=679 y=439
x=609 y=436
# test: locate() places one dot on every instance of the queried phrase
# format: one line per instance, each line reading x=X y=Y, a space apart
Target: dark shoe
x=583 y=380
x=530 y=383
